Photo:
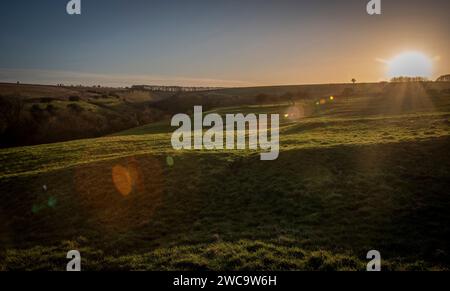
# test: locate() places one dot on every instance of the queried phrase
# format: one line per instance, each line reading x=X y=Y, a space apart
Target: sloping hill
x=352 y=175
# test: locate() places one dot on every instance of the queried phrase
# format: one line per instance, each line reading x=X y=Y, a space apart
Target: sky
x=222 y=43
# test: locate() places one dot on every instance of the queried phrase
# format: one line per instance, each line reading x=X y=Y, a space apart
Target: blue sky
x=215 y=42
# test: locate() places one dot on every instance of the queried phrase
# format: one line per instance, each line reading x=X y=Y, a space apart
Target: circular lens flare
x=295 y=112
x=122 y=180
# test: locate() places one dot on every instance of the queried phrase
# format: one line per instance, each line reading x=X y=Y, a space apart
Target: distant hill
x=36 y=114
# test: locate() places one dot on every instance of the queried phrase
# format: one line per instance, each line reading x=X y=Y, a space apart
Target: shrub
x=75 y=108
x=47 y=99
x=51 y=109
x=74 y=98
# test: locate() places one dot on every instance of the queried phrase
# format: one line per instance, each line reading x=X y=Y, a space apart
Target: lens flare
x=121 y=193
x=295 y=112
x=122 y=180
x=170 y=161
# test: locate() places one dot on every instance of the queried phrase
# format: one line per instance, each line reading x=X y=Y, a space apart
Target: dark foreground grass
x=341 y=186
x=342 y=200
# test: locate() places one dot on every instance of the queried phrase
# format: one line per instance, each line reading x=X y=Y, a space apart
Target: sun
x=410 y=64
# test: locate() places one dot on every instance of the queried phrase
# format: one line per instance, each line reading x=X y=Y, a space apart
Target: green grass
x=243 y=255
x=347 y=180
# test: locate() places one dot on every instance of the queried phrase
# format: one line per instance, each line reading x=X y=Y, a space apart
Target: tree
x=353 y=89
x=406 y=79
x=11 y=109
x=443 y=78
x=12 y=125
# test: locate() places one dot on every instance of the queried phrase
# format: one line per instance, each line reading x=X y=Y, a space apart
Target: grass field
x=353 y=174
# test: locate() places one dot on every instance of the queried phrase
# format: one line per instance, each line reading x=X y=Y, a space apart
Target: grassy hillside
x=38 y=114
x=356 y=172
